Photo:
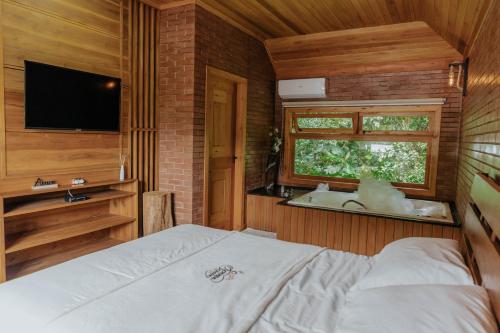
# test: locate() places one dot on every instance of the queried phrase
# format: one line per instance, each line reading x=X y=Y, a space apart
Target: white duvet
x=187 y=279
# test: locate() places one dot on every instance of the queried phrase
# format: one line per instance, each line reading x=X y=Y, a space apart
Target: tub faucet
x=357 y=202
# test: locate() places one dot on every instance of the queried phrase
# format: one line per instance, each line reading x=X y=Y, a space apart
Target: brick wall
x=190 y=39
x=419 y=84
x=480 y=128
x=176 y=79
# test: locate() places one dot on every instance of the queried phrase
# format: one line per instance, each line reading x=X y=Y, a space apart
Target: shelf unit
x=39 y=229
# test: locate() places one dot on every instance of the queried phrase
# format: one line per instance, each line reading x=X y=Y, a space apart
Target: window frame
x=431 y=137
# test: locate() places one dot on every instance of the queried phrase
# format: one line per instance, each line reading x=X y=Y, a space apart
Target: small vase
x=122 y=172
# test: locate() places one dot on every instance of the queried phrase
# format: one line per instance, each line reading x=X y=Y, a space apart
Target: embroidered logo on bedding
x=221 y=273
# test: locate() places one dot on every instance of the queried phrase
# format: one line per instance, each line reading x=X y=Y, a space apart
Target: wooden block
x=157 y=212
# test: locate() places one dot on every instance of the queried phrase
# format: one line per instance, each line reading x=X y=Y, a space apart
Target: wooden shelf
x=23 y=241
x=41 y=225
x=34 y=265
x=63 y=188
x=41 y=205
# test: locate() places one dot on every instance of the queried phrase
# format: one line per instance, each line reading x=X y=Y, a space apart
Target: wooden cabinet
x=39 y=229
x=357 y=233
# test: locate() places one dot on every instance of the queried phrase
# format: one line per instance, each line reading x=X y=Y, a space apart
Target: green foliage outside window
x=402 y=162
x=324 y=122
x=395 y=123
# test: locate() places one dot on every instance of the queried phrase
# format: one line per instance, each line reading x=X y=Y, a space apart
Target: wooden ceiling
x=387 y=48
x=457 y=21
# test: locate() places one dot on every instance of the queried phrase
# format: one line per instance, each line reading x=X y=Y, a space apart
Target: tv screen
x=67 y=99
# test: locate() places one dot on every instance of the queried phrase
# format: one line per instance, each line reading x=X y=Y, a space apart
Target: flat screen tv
x=58 y=98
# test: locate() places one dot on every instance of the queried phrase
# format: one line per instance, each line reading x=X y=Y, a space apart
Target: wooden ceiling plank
x=222 y=12
x=265 y=4
x=485 y=9
x=290 y=11
x=338 y=15
x=257 y=12
x=367 y=20
x=457 y=21
x=321 y=18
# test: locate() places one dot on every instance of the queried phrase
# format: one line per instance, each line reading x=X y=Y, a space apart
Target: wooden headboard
x=482 y=236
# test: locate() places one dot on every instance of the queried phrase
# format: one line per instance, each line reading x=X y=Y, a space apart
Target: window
x=341 y=145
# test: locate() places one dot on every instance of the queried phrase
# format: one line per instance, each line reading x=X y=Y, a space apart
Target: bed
x=196 y=279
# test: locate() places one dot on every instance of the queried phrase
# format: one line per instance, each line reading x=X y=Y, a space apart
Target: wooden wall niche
x=84 y=35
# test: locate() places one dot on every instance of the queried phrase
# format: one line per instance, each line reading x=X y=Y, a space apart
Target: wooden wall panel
x=261 y=212
x=84 y=35
x=144 y=39
x=341 y=231
x=480 y=126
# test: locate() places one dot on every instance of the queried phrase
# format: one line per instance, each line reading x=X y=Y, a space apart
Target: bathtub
x=333 y=200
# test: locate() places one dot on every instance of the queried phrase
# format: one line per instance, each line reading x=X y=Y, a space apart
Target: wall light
x=460 y=69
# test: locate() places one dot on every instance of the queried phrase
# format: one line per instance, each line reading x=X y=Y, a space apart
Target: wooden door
x=220 y=116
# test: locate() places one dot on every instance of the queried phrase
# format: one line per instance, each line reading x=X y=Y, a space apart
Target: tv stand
x=39 y=228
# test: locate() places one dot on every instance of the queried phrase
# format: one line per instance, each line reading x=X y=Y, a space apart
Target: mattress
x=187 y=279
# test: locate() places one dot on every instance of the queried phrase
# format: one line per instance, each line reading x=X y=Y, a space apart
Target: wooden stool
x=157 y=212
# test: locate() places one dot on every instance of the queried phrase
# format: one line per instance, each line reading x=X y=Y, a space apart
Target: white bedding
x=172 y=282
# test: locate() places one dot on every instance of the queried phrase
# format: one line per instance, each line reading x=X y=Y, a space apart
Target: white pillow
x=417 y=260
x=417 y=309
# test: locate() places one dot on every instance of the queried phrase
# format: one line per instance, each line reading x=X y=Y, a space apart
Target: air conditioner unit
x=302 y=88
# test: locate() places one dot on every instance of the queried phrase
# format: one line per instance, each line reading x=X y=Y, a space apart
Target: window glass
x=401 y=162
x=324 y=122
x=395 y=123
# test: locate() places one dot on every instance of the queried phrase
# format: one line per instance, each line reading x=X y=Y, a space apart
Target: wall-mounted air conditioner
x=302 y=88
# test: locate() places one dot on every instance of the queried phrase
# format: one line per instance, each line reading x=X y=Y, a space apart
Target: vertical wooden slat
x=330 y=234
x=308 y=226
x=426 y=230
x=134 y=49
x=389 y=231
x=156 y=103
x=293 y=225
x=363 y=230
x=372 y=230
x=346 y=231
x=398 y=229
x=3 y=273
x=323 y=228
x=300 y=225
x=288 y=226
x=249 y=210
x=448 y=232
x=144 y=27
x=437 y=231
x=380 y=234
x=145 y=96
x=407 y=229
x=280 y=219
x=337 y=244
x=354 y=245
x=417 y=230
x=3 y=164
x=315 y=224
